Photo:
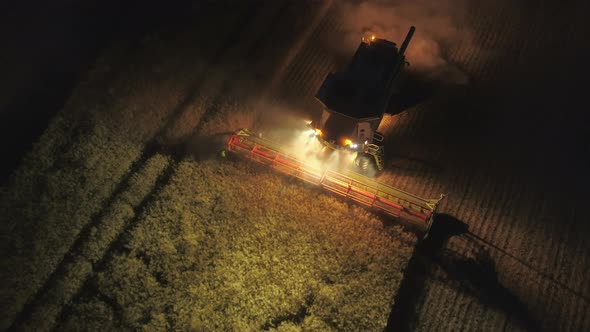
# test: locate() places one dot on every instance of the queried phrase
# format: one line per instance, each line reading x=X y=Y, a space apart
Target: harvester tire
x=365 y=164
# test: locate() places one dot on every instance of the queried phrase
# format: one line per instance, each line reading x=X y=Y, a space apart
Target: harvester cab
x=355 y=100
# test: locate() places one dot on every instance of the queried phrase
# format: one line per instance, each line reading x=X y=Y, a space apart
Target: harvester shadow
x=478 y=277
x=202 y=147
x=476 y=240
x=475 y=275
x=196 y=147
x=416 y=89
x=403 y=315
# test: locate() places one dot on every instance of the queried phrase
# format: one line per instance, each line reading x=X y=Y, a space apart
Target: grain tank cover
x=364 y=88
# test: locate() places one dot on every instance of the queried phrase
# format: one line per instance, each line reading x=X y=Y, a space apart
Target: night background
x=117 y=211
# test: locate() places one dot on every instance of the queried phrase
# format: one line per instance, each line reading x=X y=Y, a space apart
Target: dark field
x=122 y=215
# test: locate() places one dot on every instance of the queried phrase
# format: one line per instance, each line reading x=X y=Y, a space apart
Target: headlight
x=313 y=132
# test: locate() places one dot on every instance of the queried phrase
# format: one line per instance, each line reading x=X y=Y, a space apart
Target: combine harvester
x=354 y=102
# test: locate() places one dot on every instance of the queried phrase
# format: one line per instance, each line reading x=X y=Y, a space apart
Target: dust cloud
x=441 y=26
x=288 y=127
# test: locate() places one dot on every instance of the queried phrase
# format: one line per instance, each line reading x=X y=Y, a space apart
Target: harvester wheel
x=365 y=164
